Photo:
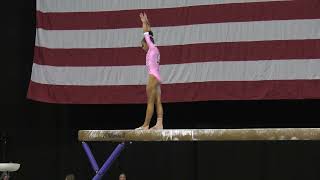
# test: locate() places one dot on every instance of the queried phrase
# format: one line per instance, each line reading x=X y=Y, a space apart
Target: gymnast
x=154 y=80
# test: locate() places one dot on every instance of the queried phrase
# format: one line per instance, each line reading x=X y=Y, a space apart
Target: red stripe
x=234 y=51
x=240 y=12
x=249 y=90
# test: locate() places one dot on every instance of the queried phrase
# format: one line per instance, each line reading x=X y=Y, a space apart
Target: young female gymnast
x=154 y=80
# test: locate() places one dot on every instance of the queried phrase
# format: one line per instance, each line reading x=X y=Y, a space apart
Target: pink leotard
x=152 y=58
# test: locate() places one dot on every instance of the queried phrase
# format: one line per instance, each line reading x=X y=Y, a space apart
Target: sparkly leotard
x=152 y=58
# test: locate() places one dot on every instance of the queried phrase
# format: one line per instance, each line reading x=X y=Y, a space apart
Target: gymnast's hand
x=145 y=22
x=144 y=18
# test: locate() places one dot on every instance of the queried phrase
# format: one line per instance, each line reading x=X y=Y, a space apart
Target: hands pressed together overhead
x=145 y=22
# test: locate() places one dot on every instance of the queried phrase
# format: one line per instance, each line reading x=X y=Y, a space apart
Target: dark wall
x=43 y=137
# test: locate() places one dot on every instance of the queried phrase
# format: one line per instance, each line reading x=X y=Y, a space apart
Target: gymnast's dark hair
x=151 y=37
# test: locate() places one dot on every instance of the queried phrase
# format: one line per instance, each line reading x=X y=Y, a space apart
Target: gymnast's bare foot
x=158 y=126
x=143 y=127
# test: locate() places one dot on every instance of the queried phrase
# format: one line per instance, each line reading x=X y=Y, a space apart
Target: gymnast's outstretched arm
x=146 y=29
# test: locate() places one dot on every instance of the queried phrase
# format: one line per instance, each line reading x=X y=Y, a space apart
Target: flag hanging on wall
x=89 y=51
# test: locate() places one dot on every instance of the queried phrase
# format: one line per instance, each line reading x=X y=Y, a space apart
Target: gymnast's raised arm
x=146 y=29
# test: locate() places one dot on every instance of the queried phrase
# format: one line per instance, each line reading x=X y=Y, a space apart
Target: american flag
x=89 y=51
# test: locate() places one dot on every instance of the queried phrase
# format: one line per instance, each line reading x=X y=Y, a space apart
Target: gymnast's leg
x=151 y=95
x=159 y=124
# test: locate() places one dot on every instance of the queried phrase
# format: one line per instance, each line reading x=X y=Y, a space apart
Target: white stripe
x=116 y=5
x=180 y=73
x=181 y=35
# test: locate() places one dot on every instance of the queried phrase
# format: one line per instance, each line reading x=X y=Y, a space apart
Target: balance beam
x=266 y=134
x=124 y=136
